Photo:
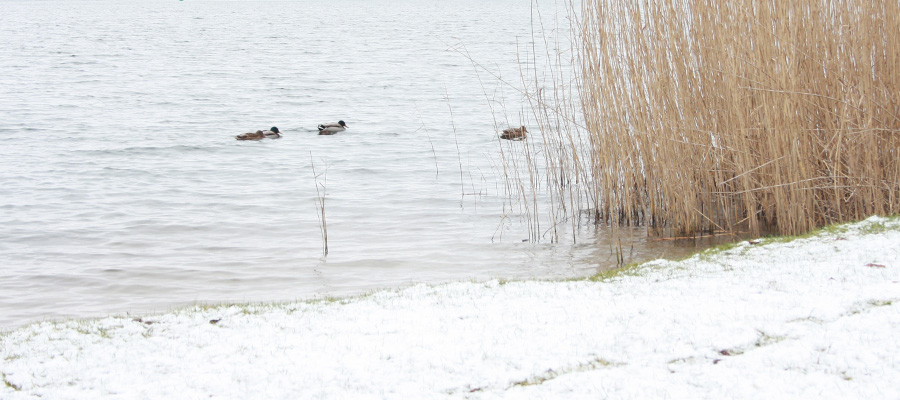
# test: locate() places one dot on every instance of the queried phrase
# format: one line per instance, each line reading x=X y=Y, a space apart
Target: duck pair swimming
x=272 y=133
x=332 y=128
x=324 y=129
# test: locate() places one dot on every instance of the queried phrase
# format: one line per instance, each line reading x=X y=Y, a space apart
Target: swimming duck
x=272 y=133
x=514 y=133
x=332 y=128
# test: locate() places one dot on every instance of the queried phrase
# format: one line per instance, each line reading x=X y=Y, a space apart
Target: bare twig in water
x=462 y=187
x=428 y=135
x=320 y=202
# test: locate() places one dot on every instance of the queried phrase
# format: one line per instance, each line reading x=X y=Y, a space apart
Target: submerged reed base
x=708 y=115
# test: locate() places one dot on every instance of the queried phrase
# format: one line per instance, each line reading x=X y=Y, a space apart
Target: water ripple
x=124 y=189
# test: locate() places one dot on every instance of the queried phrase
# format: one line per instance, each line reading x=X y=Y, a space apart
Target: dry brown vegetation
x=713 y=115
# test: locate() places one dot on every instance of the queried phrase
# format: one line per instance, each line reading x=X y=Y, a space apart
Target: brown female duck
x=272 y=133
x=514 y=133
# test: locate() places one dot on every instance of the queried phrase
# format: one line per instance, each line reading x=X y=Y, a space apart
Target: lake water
x=123 y=189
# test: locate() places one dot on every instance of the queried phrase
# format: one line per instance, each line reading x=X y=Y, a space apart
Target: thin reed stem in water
x=320 y=202
x=428 y=135
x=462 y=187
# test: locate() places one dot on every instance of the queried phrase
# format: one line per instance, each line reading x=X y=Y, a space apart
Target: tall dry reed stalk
x=715 y=114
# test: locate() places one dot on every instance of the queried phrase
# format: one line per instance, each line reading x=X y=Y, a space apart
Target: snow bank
x=809 y=318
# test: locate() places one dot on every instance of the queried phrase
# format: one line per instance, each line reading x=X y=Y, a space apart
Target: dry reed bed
x=709 y=115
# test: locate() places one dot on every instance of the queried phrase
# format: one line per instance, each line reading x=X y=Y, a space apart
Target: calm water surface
x=123 y=190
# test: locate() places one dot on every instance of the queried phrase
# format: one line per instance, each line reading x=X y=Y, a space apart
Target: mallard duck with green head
x=332 y=127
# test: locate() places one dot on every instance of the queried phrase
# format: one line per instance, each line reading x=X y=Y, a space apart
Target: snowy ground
x=809 y=318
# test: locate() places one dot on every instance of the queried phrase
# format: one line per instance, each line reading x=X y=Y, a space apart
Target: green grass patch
x=873 y=228
x=633 y=269
x=866 y=228
x=880 y=303
x=712 y=251
x=9 y=384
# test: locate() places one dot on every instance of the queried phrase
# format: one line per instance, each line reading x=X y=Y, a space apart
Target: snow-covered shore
x=810 y=318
